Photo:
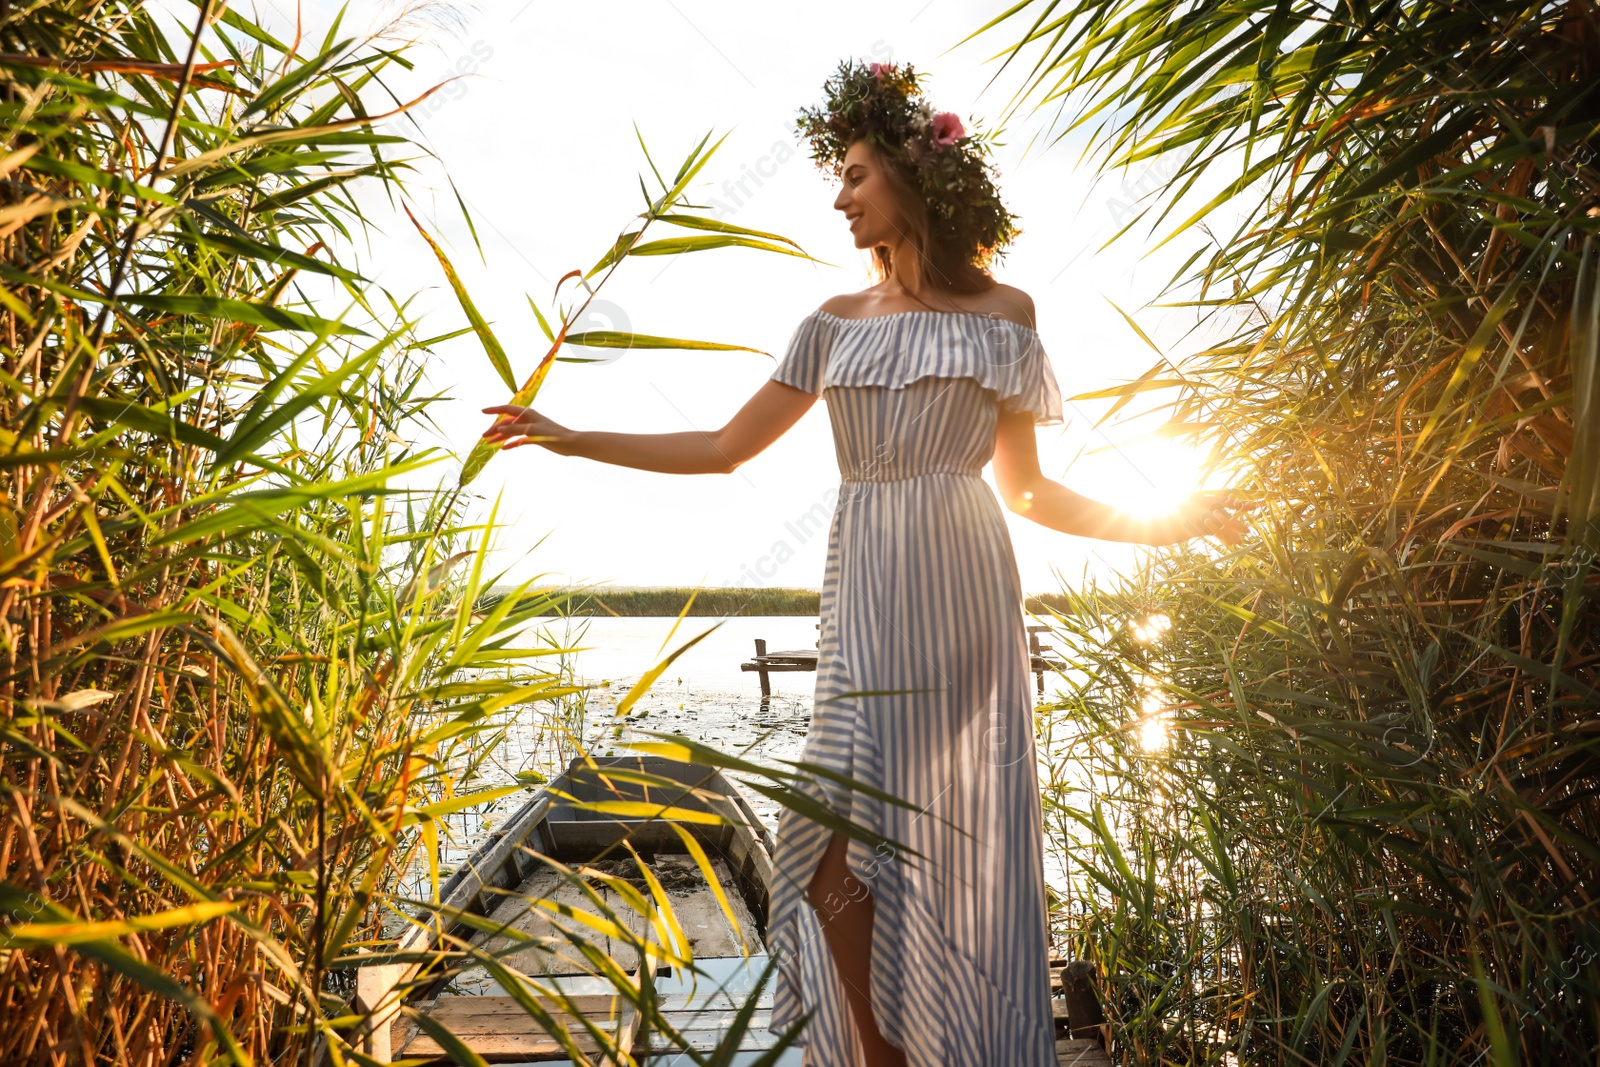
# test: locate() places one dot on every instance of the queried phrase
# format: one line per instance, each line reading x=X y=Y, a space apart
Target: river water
x=703 y=695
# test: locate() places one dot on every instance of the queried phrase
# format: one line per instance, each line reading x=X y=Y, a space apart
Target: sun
x=1147 y=475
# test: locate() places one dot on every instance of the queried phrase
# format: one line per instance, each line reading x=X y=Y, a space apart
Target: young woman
x=936 y=956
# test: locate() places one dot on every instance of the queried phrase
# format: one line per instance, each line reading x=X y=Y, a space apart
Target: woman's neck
x=907 y=277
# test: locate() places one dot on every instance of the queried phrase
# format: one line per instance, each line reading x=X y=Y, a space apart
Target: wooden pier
x=1082 y=1034
x=767 y=663
x=501 y=1031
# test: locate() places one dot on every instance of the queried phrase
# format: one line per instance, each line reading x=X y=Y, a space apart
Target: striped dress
x=921 y=595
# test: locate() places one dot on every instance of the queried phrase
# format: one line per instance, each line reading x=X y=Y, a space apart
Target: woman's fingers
x=508 y=414
x=515 y=426
x=1229 y=528
x=512 y=420
x=1234 y=500
x=1218 y=513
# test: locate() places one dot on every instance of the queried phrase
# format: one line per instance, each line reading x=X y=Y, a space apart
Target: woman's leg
x=845 y=907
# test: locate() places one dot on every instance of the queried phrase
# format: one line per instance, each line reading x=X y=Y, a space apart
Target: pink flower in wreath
x=947 y=128
x=878 y=70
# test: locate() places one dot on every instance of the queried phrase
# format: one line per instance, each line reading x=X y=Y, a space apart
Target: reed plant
x=246 y=675
x=232 y=699
x=1330 y=797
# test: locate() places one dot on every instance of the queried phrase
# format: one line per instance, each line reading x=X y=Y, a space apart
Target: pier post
x=766 y=685
x=1084 y=1014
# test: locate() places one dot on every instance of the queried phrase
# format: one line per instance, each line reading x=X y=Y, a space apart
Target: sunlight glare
x=1152 y=628
x=1154 y=474
x=1153 y=734
x=1153 y=720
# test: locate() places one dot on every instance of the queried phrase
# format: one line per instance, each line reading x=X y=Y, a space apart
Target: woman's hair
x=938 y=171
x=947 y=262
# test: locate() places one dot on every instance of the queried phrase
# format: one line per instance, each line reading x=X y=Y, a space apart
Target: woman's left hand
x=1215 y=513
x=517 y=426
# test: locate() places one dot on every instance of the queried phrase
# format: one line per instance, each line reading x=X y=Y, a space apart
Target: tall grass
x=248 y=680
x=231 y=698
x=1369 y=835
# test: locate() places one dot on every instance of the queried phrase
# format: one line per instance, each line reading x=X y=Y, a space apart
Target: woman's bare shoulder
x=1007 y=302
x=1002 y=301
x=846 y=305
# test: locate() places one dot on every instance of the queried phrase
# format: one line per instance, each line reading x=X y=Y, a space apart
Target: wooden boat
x=510 y=870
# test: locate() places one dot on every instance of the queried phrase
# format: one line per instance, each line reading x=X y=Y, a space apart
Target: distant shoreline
x=668 y=601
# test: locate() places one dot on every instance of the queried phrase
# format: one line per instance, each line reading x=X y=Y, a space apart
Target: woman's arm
x=1026 y=491
x=763 y=419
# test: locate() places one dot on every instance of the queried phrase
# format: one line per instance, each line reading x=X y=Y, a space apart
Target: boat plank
x=703 y=1019
x=706 y=1039
x=1081 y=1052
x=577 y=841
x=638 y=925
x=702 y=918
x=500 y=1030
x=722 y=1007
x=706 y=925
x=516 y=912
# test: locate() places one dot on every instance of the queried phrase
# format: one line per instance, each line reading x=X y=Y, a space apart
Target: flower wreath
x=881 y=103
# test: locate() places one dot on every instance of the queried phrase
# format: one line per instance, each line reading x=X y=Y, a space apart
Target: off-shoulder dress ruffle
x=1005 y=357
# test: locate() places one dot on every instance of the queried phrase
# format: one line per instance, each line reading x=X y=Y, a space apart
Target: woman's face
x=868 y=200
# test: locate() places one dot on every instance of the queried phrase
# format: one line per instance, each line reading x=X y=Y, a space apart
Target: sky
x=537 y=136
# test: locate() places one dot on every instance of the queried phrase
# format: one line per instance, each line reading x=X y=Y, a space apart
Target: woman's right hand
x=765 y=416
x=517 y=426
x=1214 y=513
